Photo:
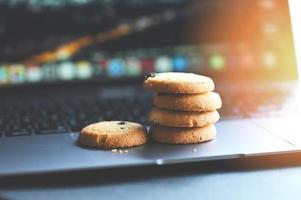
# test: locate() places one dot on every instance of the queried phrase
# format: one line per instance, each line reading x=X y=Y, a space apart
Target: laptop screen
x=82 y=40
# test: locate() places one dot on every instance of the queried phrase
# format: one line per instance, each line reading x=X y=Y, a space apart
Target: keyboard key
x=60 y=115
x=17 y=133
x=52 y=131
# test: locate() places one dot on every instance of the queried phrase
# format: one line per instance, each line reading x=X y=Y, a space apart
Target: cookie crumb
x=195 y=150
x=119 y=151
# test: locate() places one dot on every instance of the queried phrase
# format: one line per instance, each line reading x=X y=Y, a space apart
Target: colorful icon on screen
x=267 y=4
x=133 y=66
x=217 y=62
x=196 y=62
x=3 y=75
x=233 y=60
x=247 y=60
x=49 y=72
x=116 y=67
x=103 y=64
x=84 y=70
x=163 y=64
x=16 y=73
x=180 y=63
x=147 y=65
x=67 y=71
x=33 y=74
x=269 y=28
x=269 y=60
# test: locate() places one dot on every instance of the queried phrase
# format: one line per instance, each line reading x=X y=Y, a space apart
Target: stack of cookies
x=185 y=110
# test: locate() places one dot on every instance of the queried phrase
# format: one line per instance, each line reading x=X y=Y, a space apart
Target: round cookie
x=113 y=134
x=171 y=135
x=189 y=102
x=177 y=82
x=182 y=118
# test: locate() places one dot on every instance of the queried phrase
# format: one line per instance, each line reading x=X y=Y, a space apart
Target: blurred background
x=47 y=41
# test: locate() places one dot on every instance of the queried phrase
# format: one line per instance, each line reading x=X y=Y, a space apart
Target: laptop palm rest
x=287 y=128
x=49 y=153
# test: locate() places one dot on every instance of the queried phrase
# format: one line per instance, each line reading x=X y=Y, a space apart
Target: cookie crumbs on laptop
x=185 y=108
x=113 y=134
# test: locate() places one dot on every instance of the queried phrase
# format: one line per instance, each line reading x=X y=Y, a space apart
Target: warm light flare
x=295 y=10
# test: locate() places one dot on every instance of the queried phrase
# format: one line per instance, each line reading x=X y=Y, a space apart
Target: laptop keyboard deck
x=63 y=115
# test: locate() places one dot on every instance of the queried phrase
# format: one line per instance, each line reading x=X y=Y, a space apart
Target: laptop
x=66 y=64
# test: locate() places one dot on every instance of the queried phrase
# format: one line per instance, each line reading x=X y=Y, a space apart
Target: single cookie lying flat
x=189 y=102
x=113 y=134
x=171 y=135
x=182 y=118
x=177 y=82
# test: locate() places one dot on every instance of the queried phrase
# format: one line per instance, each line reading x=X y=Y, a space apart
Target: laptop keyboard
x=256 y=104
x=51 y=116
x=262 y=102
x=61 y=115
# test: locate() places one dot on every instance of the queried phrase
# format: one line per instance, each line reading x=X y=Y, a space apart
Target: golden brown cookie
x=182 y=118
x=172 y=135
x=178 y=82
x=113 y=134
x=189 y=102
